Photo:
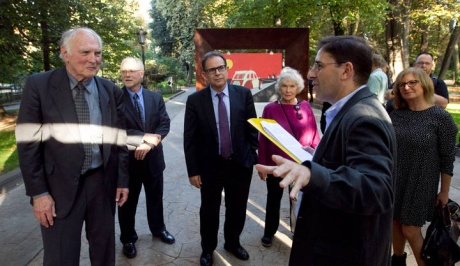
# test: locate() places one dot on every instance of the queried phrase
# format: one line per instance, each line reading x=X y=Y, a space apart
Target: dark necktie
x=83 y=119
x=138 y=108
x=225 y=142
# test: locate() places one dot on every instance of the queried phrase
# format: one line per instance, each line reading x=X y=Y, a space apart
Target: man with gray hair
x=147 y=124
x=72 y=152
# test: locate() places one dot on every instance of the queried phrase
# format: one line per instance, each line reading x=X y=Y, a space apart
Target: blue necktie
x=138 y=108
x=225 y=142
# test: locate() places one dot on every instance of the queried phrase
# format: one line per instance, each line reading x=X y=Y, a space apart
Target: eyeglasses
x=423 y=63
x=213 y=70
x=410 y=83
x=124 y=72
x=299 y=113
x=319 y=65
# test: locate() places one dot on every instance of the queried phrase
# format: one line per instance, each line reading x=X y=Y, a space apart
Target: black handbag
x=439 y=247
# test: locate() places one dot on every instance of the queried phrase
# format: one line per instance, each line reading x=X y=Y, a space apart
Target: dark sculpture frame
x=295 y=42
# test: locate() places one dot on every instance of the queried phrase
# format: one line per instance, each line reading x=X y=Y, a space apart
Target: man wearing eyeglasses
x=147 y=124
x=220 y=152
x=346 y=208
x=424 y=60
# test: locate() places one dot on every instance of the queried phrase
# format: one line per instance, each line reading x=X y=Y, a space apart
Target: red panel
x=264 y=64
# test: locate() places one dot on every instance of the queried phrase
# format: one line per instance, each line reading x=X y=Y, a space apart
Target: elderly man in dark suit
x=147 y=124
x=220 y=151
x=346 y=208
x=72 y=153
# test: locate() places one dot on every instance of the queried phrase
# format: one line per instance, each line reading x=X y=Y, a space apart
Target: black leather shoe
x=166 y=237
x=206 y=259
x=267 y=241
x=238 y=252
x=129 y=249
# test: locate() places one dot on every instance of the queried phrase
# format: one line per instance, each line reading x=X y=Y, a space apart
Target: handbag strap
x=444 y=215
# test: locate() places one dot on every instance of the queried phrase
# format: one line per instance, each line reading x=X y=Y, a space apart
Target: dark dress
x=426 y=148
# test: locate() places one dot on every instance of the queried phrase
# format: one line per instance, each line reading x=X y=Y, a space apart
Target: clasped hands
x=291 y=172
x=149 y=142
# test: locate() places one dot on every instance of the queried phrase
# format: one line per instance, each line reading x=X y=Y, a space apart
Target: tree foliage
x=31 y=30
x=177 y=22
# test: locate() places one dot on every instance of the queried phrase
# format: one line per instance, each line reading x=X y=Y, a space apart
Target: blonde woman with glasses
x=425 y=136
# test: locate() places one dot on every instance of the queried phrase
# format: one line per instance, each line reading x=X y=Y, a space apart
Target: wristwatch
x=148 y=143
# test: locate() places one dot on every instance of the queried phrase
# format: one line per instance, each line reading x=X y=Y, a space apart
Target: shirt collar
x=73 y=83
x=131 y=93
x=225 y=91
x=335 y=108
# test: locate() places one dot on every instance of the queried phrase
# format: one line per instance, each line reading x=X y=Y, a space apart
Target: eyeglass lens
x=213 y=69
x=410 y=83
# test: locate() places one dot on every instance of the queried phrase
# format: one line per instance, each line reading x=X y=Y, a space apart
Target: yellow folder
x=291 y=147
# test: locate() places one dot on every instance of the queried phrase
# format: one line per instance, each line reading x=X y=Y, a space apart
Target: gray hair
x=69 y=35
x=138 y=62
x=293 y=75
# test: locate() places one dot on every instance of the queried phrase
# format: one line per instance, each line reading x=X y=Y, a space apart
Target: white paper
x=286 y=140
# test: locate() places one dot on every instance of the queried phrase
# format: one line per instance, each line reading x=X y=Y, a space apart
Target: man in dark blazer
x=347 y=190
x=147 y=124
x=213 y=166
x=74 y=171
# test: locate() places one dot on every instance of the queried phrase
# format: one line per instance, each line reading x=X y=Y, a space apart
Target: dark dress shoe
x=238 y=252
x=267 y=241
x=206 y=259
x=129 y=249
x=166 y=237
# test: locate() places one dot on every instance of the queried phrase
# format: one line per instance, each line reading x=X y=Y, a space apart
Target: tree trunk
x=456 y=64
x=406 y=34
x=454 y=37
x=190 y=74
x=424 y=42
x=393 y=31
x=338 y=26
x=45 y=41
x=338 y=29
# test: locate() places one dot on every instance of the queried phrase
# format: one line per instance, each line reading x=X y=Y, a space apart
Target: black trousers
x=235 y=181
x=140 y=174
x=62 y=241
x=274 y=196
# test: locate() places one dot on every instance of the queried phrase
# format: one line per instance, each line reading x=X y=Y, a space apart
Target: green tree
x=182 y=18
x=419 y=26
x=31 y=32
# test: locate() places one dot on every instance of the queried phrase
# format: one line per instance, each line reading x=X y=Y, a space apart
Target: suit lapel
x=336 y=121
x=63 y=99
x=104 y=102
x=232 y=93
x=130 y=110
x=148 y=101
x=208 y=108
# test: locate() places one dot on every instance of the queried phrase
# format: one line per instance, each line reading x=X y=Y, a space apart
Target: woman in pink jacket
x=296 y=116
